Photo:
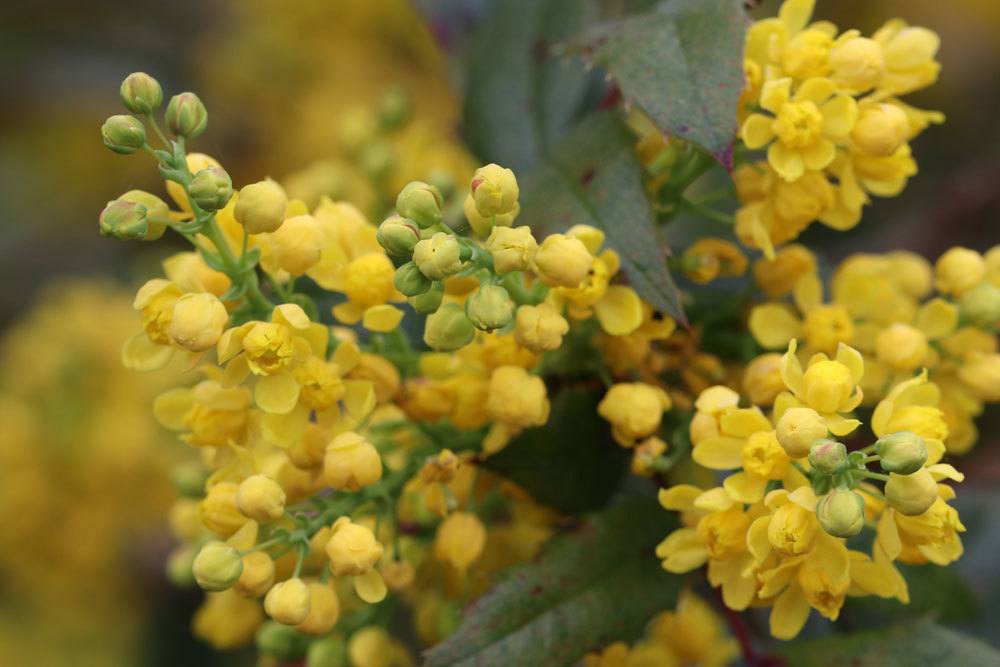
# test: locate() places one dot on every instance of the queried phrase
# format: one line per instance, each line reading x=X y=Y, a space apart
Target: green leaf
x=919 y=644
x=519 y=96
x=572 y=464
x=682 y=64
x=593 y=177
x=589 y=588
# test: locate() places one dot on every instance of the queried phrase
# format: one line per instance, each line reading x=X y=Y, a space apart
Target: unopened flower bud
x=429 y=301
x=448 y=329
x=377 y=160
x=880 y=129
x=540 y=328
x=512 y=248
x=324 y=609
x=841 y=513
x=421 y=203
x=217 y=566
x=827 y=456
x=798 y=429
x=124 y=220
x=903 y=452
x=157 y=211
x=258 y=575
x=901 y=346
x=489 y=307
x=352 y=549
x=439 y=256
x=494 y=190
x=911 y=494
x=351 y=462
x=141 y=93
x=180 y=567
x=261 y=206
x=327 y=652
x=189 y=479
x=483 y=225
x=394 y=108
x=858 y=64
x=211 y=188
x=281 y=642
x=981 y=305
x=959 y=270
x=197 y=322
x=288 y=601
x=186 y=116
x=410 y=280
x=562 y=261
x=123 y=134
x=261 y=498
x=398 y=235
x=298 y=244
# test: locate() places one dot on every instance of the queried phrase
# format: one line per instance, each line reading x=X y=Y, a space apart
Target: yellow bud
x=439 y=256
x=777 y=277
x=841 y=513
x=398 y=575
x=352 y=549
x=421 y=203
x=911 y=494
x=217 y=566
x=798 y=429
x=827 y=385
x=261 y=206
x=807 y=54
x=297 y=244
x=484 y=225
x=218 y=509
x=762 y=379
x=512 y=248
x=460 y=540
x=489 y=307
x=903 y=452
x=288 y=601
x=562 y=261
x=634 y=410
x=858 y=63
x=260 y=497
x=901 y=346
x=494 y=190
x=141 y=93
x=516 y=398
x=257 y=576
x=880 y=129
x=351 y=463
x=540 y=328
x=198 y=321
x=186 y=116
x=448 y=328
x=959 y=270
x=324 y=610
x=828 y=456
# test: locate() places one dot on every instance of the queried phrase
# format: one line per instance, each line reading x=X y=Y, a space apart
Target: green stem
x=156 y=129
x=706 y=212
x=875 y=475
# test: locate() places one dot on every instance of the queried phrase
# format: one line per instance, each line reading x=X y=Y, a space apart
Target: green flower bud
x=141 y=93
x=156 y=209
x=124 y=220
x=903 y=452
x=186 y=116
x=443 y=181
x=489 y=307
x=394 y=108
x=841 y=513
x=911 y=494
x=429 y=301
x=377 y=160
x=981 y=305
x=439 y=256
x=421 y=203
x=211 y=188
x=189 y=479
x=217 y=566
x=283 y=642
x=123 y=134
x=327 y=652
x=410 y=281
x=448 y=329
x=828 y=456
x=260 y=208
x=398 y=235
x=180 y=567
x=494 y=190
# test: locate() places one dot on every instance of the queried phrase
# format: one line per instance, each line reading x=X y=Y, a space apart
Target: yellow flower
x=197 y=321
x=798 y=429
x=824 y=326
x=805 y=127
x=494 y=190
x=296 y=246
x=226 y=620
x=856 y=63
x=516 y=398
x=709 y=258
x=351 y=462
x=512 y=248
x=540 y=328
x=959 y=270
x=881 y=128
x=439 y=256
x=261 y=498
x=288 y=602
x=634 y=410
x=828 y=386
x=459 y=540
x=210 y=414
x=218 y=509
x=762 y=379
x=324 y=610
x=562 y=261
x=912 y=406
x=260 y=207
x=909 y=57
x=354 y=551
x=257 y=576
x=778 y=276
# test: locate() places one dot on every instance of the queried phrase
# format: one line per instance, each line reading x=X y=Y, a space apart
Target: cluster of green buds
x=428 y=249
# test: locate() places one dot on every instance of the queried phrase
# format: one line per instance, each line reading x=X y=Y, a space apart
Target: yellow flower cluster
x=774 y=533
x=902 y=314
x=825 y=105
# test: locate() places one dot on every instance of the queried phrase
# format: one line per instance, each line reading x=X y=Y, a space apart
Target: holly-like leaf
x=682 y=64
x=593 y=177
x=519 y=95
x=921 y=644
x=572 y=464
x=592 y=587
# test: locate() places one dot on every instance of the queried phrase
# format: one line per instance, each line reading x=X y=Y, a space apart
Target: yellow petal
x=236 y=371
x=619 y=311
x=245 y=537
x=789 y=614
x=791 y=369
x=231 y=342
x=786 y=161
x=141 y=354
x=290 y=314
x=937 y=318
x=318 y=337
x=851 y=358
x=757 y=540
x=773 y=325
x=382 y=318
x=170 y=408
x=679 y=498
x=347 y=355
x=359 y=398
x=719 y=453
x=714 y=500
x=756 y=131
x=795 y=14
x=284 y=430
x=819 y=155
x=840 y=426
x=743 y=422
x=775 y=93
x=591 y=237
x=816 y=90
x=839 y=115
x=744 y=487
x=808 y=292
x=277 y=394
x=888 y=535
x=370 y=587
x=941 y=471
x=348 y=312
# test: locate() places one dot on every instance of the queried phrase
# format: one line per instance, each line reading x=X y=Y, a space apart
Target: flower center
x=798 y=124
